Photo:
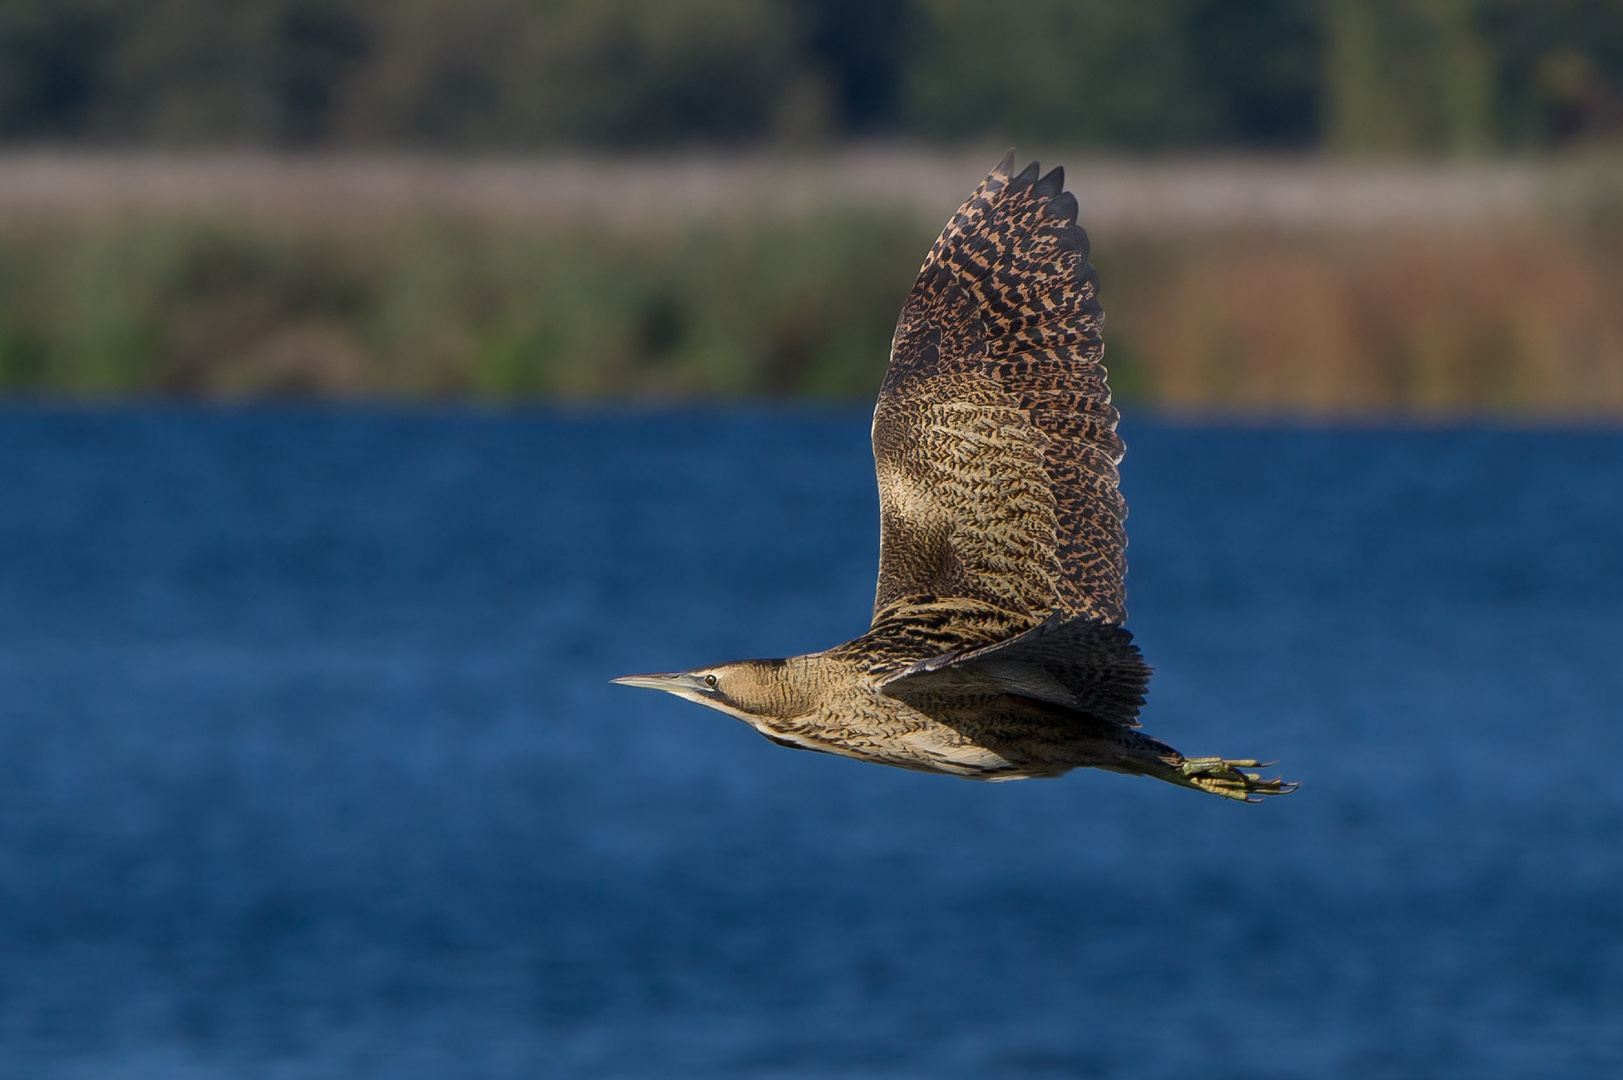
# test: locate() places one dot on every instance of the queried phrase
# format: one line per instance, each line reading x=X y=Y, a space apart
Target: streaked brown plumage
x=997 y=649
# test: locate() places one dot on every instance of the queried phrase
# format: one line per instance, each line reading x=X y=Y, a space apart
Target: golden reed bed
x=1523 y=320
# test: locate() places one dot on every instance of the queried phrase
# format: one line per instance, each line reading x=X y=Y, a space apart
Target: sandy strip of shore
x=1115 y=196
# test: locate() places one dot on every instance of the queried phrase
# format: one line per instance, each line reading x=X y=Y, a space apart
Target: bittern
x=997 y=650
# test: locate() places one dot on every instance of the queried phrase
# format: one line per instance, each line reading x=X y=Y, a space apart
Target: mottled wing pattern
x=929 y=627
x=966 y=505
x=994 y=438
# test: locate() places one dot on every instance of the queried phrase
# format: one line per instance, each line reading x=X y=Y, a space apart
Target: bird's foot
x=1229 y=779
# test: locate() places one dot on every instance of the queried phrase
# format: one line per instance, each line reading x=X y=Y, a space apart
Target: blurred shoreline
x=1115 y=195
x=1244 y=286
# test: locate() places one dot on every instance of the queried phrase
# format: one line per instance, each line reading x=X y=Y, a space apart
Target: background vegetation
x=440 y=306
x=1525 y=318
x=1378 y=76
x=168 y=299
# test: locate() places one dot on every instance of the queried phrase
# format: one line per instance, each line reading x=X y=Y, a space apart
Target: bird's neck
x=786 y=689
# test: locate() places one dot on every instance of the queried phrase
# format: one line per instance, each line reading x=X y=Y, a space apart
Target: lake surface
x=309 y=766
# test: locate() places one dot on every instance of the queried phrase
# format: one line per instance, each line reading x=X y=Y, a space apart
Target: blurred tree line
x=1384 y=76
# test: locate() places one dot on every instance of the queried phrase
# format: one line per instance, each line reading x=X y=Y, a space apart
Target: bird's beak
x=676 y=682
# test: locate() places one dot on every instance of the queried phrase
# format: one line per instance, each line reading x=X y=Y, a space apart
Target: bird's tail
x=1145 y=755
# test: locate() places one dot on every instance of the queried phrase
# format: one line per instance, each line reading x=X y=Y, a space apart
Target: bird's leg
x=1227 y=777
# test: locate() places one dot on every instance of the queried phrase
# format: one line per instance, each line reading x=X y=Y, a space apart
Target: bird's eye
x=711 y=681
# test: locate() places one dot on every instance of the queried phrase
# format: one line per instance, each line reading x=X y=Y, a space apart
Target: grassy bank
x=1524 y=319
x=444 y=307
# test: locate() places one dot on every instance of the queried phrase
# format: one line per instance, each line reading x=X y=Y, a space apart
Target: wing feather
x=1082 y=664
x=994 y=438
x=966 y=504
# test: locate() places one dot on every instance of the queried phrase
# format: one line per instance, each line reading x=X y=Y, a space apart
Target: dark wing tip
x=1061 y=205
x=1027 y=177
x=1005 y=168
x=1051 y=184
x=1075 y=238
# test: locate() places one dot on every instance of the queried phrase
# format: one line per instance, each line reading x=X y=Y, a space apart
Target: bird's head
x=751 y=690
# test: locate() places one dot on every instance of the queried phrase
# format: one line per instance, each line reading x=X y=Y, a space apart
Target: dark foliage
x=1376 y=75
x=1259 y=64
x=1560 y=76
x=53 y=62
x=859 y=47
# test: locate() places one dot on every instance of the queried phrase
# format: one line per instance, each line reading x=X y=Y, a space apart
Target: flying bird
x=997 y=650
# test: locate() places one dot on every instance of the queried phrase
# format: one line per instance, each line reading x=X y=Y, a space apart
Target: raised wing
x=994 y=438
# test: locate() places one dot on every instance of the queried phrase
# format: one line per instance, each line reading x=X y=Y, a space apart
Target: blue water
x=309 y=767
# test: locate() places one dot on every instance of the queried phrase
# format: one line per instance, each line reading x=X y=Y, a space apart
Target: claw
x=1225 y=777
